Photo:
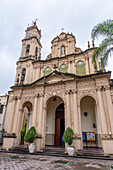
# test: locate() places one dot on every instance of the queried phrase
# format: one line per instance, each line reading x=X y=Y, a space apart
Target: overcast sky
x=76 y=16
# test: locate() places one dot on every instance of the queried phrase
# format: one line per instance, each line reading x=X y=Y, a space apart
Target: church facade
x=65 y=90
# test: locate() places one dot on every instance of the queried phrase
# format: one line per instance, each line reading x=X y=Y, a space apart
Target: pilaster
x=34 y=113
x=67 y=114
x=102 y=112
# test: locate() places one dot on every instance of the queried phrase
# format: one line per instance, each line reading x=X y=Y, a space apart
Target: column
x=75 y=112
x=80 y=126
x=106 y=107
x=34 y=112
x=44 y=125
x=102 y=112
x=110 y=110
x=37 y=76
x=20 y=125
x=74 y=71
x=40 y=115
x=16 y=116
x=87 y=66
x=12 y=117
x=68 y=123
x=91 y=66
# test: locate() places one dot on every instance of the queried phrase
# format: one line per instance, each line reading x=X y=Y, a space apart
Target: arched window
x=36 y=51
x=23 y=74
x=27 y=48
x=47 y=71
x=80 y=68
x=62 y=50
x=63 y=68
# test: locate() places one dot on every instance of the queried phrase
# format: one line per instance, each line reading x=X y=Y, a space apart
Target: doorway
x=59 y=124
x=90 y=123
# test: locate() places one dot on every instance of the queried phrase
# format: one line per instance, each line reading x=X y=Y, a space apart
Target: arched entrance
x=89 y=122
x=27 y=114
x=55 y=121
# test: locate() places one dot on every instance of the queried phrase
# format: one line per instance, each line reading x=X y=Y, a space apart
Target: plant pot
x=31 y=148
x=70 y=150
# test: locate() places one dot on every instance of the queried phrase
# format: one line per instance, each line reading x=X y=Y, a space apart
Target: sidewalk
x=11 y=161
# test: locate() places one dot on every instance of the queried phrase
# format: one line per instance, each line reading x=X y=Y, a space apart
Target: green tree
x=68 y=136
x=23 y=132
x=104 y=29
x=30 y=135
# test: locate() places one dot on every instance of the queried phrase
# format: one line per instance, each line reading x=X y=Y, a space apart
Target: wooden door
x=57 y=132
x=59 y=124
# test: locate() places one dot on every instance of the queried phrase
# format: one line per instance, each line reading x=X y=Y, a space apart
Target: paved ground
x=33 y=162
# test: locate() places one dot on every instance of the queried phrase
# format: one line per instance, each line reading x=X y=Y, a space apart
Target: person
x=63 y=143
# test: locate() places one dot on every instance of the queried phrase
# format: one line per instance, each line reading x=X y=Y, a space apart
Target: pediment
x=54 y=78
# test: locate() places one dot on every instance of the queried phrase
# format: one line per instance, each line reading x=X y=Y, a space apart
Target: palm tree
x=104 y=29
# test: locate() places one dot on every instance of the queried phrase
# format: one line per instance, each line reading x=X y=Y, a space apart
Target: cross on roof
x=55 y=67
x=62 y=29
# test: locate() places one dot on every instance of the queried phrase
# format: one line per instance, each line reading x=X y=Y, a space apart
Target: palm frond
x=104 y=59
x=105 y=29
x=101 y=51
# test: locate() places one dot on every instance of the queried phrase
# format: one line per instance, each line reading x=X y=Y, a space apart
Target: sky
x=76 y=16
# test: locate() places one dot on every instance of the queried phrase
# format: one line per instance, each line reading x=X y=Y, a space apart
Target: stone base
x=8 y=143
x=107 y=146
x=39 y=144
x=77 y=144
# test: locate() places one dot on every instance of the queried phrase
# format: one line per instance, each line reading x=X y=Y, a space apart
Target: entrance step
x=88 y=153
x=20 y=149
x=94 y=152
x=56 y=151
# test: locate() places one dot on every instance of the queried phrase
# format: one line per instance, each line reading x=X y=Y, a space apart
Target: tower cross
x=62 y=29
x=55 y=67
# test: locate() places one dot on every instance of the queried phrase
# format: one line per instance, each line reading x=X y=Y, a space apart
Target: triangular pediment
x=54 y=77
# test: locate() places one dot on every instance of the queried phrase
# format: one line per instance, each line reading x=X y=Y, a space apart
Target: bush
x=30 y=135
x=68 y=136
x=23 y=131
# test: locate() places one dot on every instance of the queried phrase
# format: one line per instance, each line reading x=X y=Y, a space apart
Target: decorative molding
x=86 y=92
x=85 y=83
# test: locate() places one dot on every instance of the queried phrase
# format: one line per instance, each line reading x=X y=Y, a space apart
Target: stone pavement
x=34 y=162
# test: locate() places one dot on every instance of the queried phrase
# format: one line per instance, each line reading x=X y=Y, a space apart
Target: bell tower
x=31 y=46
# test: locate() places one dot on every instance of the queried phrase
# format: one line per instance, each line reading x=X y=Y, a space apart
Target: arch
x=90 y=126
x=50 y=125
x=28 y=49
x=47 y=71
x=63 y=68
x=85 y=95
x=23 y=74
x=28 y=105
x=26 y=114
x=80 y=68
x=56 y=95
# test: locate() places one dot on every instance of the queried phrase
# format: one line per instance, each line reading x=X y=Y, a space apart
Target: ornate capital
x=106 y=87
x=74 y=91
x=98 y=88
x=67 y=91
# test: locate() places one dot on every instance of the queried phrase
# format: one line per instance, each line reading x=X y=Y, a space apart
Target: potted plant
x=68 y=138
x=29 y=137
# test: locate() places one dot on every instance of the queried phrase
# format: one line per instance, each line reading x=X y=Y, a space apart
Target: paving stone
x=37 y=162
